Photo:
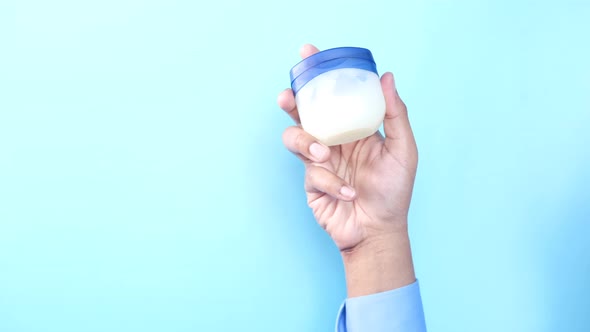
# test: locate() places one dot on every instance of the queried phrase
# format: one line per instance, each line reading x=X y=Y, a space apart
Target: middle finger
x=301 y=143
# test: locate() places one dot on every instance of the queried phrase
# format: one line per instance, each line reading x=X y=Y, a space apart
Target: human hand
x=358 y=191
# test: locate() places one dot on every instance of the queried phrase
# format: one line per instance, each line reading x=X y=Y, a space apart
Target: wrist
x=379 y=263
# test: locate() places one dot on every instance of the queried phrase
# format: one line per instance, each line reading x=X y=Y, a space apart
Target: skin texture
x=360 y=192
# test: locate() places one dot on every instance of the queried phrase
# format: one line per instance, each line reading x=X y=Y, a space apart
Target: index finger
x=286 y=99
x=286 y=102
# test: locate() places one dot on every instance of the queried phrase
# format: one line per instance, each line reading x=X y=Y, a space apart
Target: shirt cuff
x=398 y=310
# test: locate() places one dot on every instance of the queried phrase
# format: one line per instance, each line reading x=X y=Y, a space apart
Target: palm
x=383 y=180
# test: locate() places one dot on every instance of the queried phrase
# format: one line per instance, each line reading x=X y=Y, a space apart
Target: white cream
x=341 y=105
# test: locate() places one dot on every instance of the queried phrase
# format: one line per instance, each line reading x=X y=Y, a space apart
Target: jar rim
x=330 y=59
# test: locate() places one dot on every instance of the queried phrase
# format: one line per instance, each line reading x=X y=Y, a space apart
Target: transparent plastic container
x=338 y=95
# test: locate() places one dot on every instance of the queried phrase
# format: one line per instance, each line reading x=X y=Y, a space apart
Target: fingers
x=286 y=101
x=396 y=124
x=320 y=180
x=303 y=144
x=308 y=50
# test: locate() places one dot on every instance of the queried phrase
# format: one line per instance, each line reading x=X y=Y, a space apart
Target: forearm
x=379 y=264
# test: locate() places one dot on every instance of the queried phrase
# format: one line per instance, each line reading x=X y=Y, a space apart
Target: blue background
x=144 y=186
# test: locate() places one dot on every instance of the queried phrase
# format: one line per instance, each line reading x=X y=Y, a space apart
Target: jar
x=338 y=95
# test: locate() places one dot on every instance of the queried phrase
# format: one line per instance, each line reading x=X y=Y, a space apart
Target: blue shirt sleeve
x=398 y=310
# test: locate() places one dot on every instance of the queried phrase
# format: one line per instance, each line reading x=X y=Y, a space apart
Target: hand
x=358 y=191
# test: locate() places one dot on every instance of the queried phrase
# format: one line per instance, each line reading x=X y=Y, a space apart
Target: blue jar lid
x=334 y=58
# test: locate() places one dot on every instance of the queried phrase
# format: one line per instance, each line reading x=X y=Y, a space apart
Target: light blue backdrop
x=144 y=187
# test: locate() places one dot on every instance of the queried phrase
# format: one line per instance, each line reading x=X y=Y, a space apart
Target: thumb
x=396 y=124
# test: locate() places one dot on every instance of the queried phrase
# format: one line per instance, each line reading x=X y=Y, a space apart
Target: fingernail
x=318 y=151
x=347 y=192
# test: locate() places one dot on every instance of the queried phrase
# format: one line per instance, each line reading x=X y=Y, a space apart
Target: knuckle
x=284 y=136
x=300 y=140
x=285 y=100
x=280 y=100
x=317 y=178
x=402 y=107
x=312 y=174
x=287 y=136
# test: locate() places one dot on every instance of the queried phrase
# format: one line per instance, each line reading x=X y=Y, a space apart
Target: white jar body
x=341 y=106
